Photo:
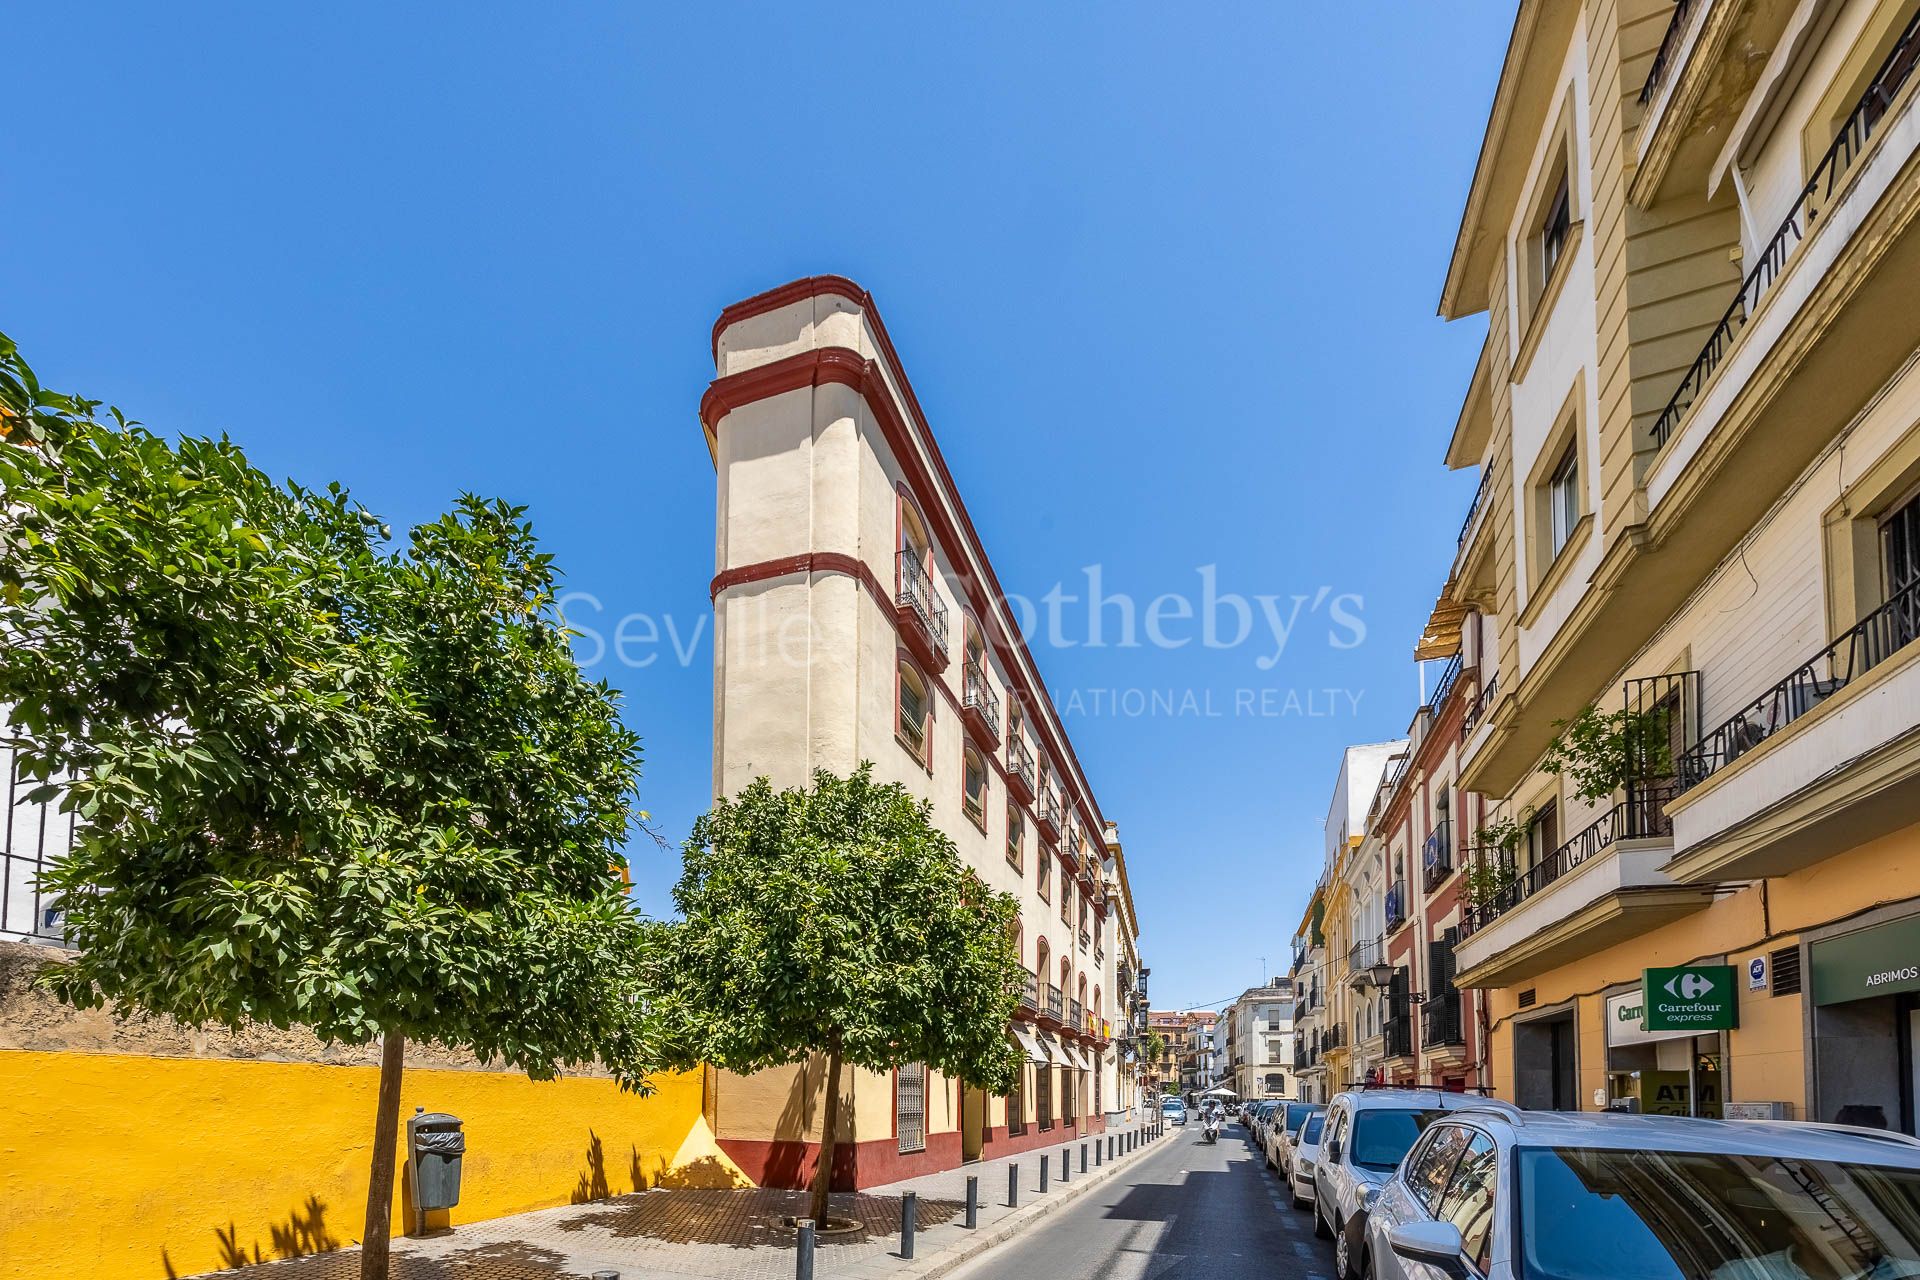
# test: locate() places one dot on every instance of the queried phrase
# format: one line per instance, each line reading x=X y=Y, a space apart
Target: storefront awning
x=1072 y=1052
x=1054 y=1053
x=1028 y=1044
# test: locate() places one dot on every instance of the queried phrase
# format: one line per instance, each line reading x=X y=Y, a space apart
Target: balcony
x=28 y=914
x=1397 y=1033
x=1076 y=1018
x=1441 y=1026
x=1086 y=937
x=1056 y=1011
x=1474 y=509
x=1047 y=818
x=1476 y=713
x=922 y=617
x=1605 y=885
x=1361 y=957
x=1436 y=856
x=1019 y=768
x=1396 y=905
x=979 y=704
x=1030 y=993
x=1819 y=761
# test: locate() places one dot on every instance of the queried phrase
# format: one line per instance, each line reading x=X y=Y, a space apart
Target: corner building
x=857 y=618
x=1695 y=232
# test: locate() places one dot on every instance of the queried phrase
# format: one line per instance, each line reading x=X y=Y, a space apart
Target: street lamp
x=1380 y=974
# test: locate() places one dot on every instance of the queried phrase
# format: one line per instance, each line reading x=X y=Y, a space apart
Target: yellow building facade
x=1696 y=419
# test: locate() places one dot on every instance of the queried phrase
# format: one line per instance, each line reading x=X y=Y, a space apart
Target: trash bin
x=435 y=1145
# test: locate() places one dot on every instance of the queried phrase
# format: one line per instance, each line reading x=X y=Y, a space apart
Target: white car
x=1283 y=1129
x=1173 y=1111
x=1367 y=1133
x=1306 y=1154
x=1599 y=1196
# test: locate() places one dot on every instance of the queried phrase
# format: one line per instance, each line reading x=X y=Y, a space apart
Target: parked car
x=1284 y=1128
x=1173 y=1111
x=1262 y=1112
x=1596 y=1196
x=1306 y=1153
x=1368 y=1131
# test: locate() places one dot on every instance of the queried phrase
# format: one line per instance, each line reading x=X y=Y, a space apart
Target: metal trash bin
x=435 y=1144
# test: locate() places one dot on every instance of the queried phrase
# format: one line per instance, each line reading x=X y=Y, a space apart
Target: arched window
x=1040 y=953
x=1016 y=836
x=1276 y=1083
x=973 y=781
x=1044 y=879
x=914 y=541
x=914 y=714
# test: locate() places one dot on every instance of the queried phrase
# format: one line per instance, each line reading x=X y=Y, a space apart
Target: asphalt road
x=1185 y=1210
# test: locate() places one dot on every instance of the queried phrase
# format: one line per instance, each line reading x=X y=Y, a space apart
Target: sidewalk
x=734 y=1235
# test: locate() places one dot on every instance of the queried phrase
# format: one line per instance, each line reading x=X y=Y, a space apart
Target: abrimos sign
x=1696 y=997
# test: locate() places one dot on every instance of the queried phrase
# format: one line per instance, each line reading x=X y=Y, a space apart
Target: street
x=1187 y=1209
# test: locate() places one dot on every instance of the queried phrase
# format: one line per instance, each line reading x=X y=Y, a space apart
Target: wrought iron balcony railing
x=1020 y=762
x=917 y=593
x=1859 y=649
x=1473 y=508
x=1396 y=904
x=1030 y=992
x=1398 y=1033
x=1449 y=676
x=1075 y=1017
x=1847 y=146
x=26 y=910
x=1640 y=817
x=1436 y=855
x=1440 y=1021
x=1056 y=1004
x=1482 y=702
x=977 y=696
x=1048 y=809
x=1669 y=48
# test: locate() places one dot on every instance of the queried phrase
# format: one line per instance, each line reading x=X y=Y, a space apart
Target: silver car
x=1599 y=1196
x=1368 y=1131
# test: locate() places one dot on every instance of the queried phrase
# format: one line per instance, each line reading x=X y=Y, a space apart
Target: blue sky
x=1164 y=280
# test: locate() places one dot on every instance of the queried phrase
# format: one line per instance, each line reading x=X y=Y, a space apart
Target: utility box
x=435 y=1144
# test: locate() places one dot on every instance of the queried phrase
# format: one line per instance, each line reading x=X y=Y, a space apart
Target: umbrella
x=1220 y=1092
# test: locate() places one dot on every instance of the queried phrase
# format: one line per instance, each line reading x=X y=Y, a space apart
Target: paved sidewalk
x=733 y=1235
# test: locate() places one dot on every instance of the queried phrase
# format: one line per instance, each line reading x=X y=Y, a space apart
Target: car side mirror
x=1435 y=1243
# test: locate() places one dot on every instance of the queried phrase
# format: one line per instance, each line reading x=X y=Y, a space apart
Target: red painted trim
x=839 y=364
x=856 y=1165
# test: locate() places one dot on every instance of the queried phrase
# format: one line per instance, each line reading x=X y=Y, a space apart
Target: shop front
x=1866 y=1023
x=1676 y=1071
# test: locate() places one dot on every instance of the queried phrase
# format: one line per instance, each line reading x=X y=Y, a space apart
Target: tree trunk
x=823 y=1176
x=386 y=1135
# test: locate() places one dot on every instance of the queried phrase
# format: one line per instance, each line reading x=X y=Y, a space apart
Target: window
x=1017 y=1103
x=1432 y=1164
x=1066 y=900
x=1043 y=1096
x=910 y=1099
x=1043 y=884
x=1555 y=228
x=1900 y=568
x=912 y=729
x=974 y=775
x=1563 y=500
x=1016 y=836
x=1276 y=1083
x=1543 y=834
x=1468 y=1202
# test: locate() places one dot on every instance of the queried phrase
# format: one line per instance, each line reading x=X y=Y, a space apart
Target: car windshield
x=1310 y=1133
x=1381 y=1136
x=1171 y=1105
x=1680 y=1215
x=1296 y=1112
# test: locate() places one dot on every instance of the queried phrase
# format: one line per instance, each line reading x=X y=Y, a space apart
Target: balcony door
x=1900 y=570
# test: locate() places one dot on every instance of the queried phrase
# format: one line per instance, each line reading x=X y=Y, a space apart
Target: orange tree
x=838 y=920
x=321 y=780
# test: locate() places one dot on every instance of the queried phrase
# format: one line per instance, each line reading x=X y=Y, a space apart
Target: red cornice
x=928 y=481
x=786 y=295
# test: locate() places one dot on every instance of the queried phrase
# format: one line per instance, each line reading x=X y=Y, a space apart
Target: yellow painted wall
x=120 y=1166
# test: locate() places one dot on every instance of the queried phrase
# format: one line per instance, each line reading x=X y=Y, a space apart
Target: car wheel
x=1342 y=1256
x=1320 y=1227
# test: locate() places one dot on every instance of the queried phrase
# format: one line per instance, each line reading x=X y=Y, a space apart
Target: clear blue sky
x=1164 y=279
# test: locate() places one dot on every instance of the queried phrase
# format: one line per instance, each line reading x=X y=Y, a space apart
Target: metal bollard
x=973 y=1203
x=606 y=1275
x=1013 y=1186
x=1043 y=1175
x=1098 y=1147
x=909 y=1219
x=803 y=1252
x=1066 y=1163
x=1083 y=1168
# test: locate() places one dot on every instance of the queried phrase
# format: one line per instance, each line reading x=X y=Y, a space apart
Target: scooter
x=1210 y=1131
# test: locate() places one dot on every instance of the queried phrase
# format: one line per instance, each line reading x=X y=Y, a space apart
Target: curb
x=948 y=1260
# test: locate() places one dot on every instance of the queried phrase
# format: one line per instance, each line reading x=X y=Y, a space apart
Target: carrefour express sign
x=1698 y=997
